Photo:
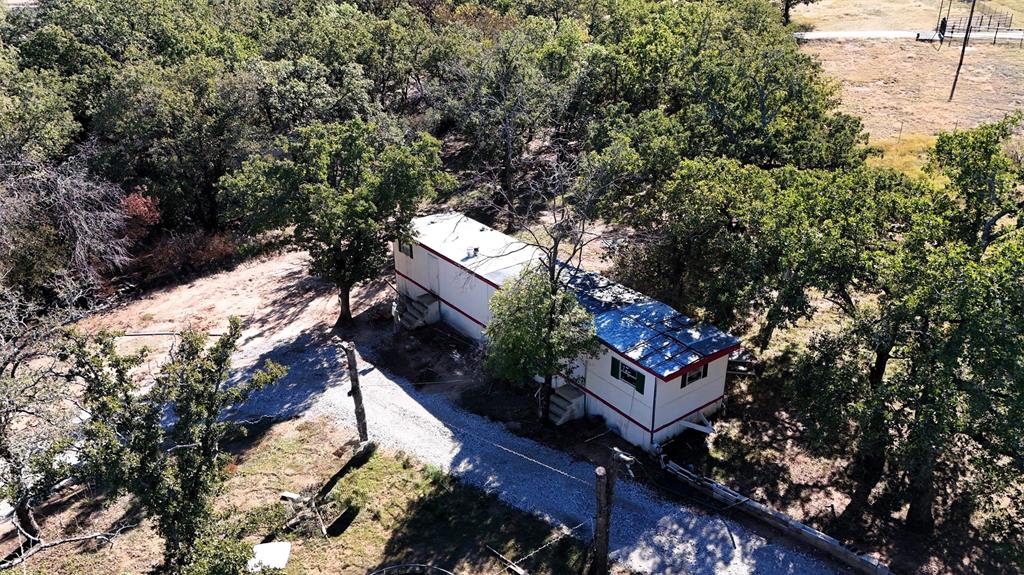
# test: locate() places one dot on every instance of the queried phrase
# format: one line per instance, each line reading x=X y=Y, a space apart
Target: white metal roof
x=652 y=334
x=455 y=236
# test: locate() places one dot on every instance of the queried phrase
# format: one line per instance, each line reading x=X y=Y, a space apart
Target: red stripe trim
x=615 y=409
x=496 y=286
x=686 y=369
x=667 y=378
x=441 y=299
x=457 y=264
x=682 y=417
x=705 y=360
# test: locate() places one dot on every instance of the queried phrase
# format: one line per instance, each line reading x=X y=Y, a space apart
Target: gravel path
x=649 y=534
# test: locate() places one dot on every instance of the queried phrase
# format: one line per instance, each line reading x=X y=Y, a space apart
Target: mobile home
x=658 y=373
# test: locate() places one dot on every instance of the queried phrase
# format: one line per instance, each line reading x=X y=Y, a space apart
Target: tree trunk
x=786 y=5
x=545 y=400
x=924 y=436
x=869 y=461
x=921 y=516
x=867 y=468
x=345 y=314
x=27 y=521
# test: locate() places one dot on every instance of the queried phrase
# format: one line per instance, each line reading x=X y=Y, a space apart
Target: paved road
x=649 y=534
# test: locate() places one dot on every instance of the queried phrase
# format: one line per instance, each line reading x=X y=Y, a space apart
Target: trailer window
x=694 y=375
x=405 y=248
x=628 y=374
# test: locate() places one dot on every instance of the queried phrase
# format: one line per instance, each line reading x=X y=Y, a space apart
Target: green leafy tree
x=289 y=94
x=788 y=5
x=175 y=130
x=346 y=190
x=36 y=416
x=984 y=177
x=537 y=329
x=35 y=115
x=717 y=79
x=734 y=243
x=930 y=370
x=497 y=98
x=164 y=444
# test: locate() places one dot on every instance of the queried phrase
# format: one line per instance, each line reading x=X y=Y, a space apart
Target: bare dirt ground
x=867 y=14
x=890 y=14
x=894 y=83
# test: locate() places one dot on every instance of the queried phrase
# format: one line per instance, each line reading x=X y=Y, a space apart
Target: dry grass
x=596 y=254
x=908 y=154
x=392 y=510
x=867 y=14
x=894 y=84
x=890 y=14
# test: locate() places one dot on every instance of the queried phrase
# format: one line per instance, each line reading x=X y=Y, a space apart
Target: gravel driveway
x=649 y=534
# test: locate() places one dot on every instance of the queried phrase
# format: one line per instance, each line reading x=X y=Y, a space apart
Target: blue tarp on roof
x=651 y=333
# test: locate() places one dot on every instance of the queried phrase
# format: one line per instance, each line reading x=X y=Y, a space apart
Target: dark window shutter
x=640 y=382
x=615 y=368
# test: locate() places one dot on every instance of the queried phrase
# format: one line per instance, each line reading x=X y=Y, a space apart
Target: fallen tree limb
x=18 y=557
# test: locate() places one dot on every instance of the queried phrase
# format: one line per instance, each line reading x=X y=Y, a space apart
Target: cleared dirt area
x=868 y=14
x=891 y=14
x=894 y=83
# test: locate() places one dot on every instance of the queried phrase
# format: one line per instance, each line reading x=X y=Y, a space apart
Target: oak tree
x=344 y=191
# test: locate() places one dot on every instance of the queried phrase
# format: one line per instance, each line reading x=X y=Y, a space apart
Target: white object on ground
x=269 y=555
x=649 y=534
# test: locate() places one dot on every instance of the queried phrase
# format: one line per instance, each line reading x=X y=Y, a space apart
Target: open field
x=891 y=14
x=894 y=83
x=868 y=14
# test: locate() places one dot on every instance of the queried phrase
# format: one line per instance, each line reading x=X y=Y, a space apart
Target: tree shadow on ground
x=660 y=535
x=456 y=527
x=770 y=454
x=79 y=511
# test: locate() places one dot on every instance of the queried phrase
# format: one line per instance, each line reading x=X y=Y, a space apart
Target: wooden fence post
x=356 y=393
x=604 y=489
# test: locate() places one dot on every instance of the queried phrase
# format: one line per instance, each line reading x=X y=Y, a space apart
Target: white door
x=433 y=284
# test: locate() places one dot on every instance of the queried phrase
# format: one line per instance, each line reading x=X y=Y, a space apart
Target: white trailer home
x=658 y=373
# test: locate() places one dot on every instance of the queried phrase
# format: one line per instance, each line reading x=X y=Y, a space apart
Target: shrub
x=184 y=253
x=141 y=213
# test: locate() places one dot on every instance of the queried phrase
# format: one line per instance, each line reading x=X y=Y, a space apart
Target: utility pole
x=605 y=488
x=356 y=393
x=963 y=49
x=604 y=485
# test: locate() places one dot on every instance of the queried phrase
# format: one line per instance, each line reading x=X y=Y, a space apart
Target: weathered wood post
x=604 y=489
x=355 y=392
